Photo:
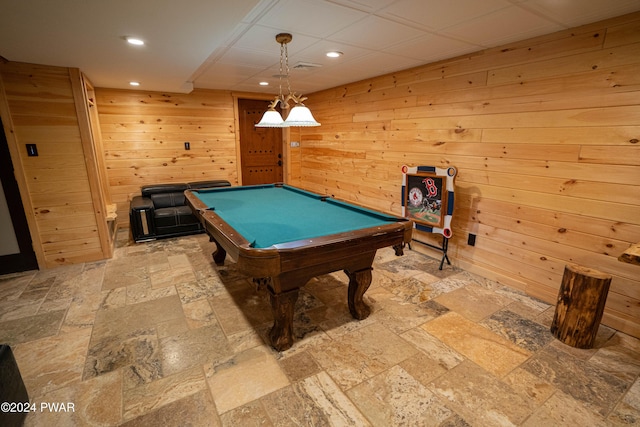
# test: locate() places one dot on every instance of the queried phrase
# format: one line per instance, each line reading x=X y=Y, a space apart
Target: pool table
x=283 y=236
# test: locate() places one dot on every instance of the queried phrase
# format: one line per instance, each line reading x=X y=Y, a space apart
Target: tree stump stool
x=580 y=305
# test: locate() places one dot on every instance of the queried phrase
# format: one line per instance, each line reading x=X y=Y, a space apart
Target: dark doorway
x=16 y=254
x=260 y=148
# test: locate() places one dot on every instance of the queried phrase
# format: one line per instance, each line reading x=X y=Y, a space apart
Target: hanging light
x=271 y=119
x=299 y=115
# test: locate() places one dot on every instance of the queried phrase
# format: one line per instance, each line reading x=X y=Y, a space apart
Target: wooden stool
x=581 y=301
x=631 y=255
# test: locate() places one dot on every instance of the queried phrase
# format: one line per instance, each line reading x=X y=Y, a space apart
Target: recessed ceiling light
x=134 y=41
x=134 y=83
x=334 y=54
x=264 y=83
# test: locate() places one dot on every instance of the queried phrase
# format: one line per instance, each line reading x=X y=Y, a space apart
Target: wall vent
x=306 y=66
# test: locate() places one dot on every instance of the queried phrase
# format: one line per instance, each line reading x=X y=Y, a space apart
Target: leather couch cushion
x=172 y=216
x=148 y=190
x=166 y=200
x=209 y=184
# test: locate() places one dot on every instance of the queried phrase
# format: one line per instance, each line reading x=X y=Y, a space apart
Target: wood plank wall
x=143 y=134
x=38 y=107
x=544 y=134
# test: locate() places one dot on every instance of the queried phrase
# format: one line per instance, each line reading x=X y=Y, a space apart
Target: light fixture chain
x=286 y=61
x=282 y=53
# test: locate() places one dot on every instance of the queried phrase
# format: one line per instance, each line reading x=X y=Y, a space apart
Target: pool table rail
x=320 y=255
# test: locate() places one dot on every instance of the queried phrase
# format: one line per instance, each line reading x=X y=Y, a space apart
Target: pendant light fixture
x=299 y=115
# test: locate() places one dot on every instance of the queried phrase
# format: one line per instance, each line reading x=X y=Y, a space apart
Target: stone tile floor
x=159 y=335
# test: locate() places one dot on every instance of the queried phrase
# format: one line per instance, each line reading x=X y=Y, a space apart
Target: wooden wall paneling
x=40 y=105
x=564 y=236
x=47 y=190
x=545 y=47
x=568 y=65
x=609 y=86
x=143 y=135
x=584 y=189
x=614 y=135
x=531 y=250
x=96 y=133
x=92 y=150
x=473 y=206
x=291 y=155
x=614 y=116
x=19 y=170
x=621 y=212
x=476 y=149
x=623 y=34
x=540 y=99
x=606 y=154
x=544 y=133
x=547 y=247
x=621 y=322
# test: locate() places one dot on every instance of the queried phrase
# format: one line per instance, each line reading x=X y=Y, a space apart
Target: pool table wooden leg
x=359 y=282
x=219 y=254
x=282 y=306
x=399 y=249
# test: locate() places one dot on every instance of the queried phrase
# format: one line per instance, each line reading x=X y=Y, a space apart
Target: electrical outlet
x=471 y=241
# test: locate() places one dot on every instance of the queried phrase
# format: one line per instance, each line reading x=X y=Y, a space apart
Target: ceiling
x=230 y=44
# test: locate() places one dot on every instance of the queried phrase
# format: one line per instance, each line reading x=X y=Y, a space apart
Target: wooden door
x=260 y=148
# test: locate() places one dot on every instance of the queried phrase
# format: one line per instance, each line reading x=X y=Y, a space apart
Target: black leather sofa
x=161 y=211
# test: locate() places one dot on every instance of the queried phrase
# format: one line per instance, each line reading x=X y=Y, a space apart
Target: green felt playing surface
x=268 y=215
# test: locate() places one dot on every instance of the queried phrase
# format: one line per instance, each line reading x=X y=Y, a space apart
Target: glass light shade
x=300 y=116
x=271 y=119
